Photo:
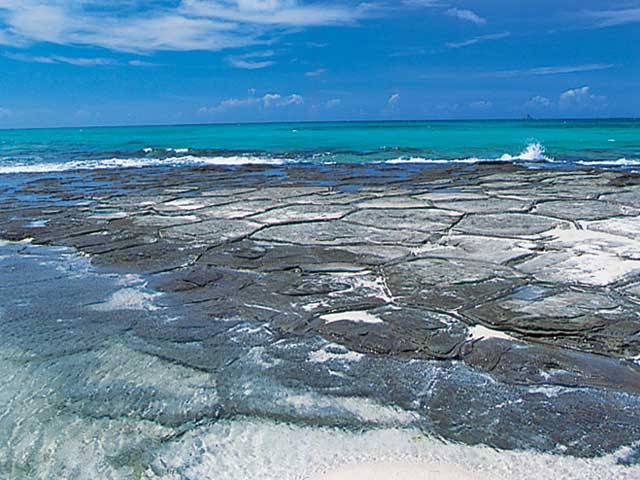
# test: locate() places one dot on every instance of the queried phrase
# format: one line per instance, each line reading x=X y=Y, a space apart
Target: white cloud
x=173 y=26
x=539 y=102
x=141 y=63
x=268 y=100
x=575 y=99
x=481 y=105
x=423 y=3
x=394 y=99
x=535 y=71
x=478 y=39
x=575 y=93
x=294 y=99
x=317 y=44
x=5 y=112
x=611 y=18
x=467 y=15
x=52 y=59
x=252 y=61
x=555 y=70
x=250 y=64
x=334 y=103
x=286 y=13
x=316 y=73
x=580 y=99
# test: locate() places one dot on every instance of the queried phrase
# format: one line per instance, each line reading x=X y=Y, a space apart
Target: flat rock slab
x=212 y=232
x=408 y=219
x=529 y=278
x=339 y=232
x=583 y=210
x=519 y=225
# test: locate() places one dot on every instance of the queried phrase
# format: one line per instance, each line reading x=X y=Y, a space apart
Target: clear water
x=566 y=143
x=99 y=384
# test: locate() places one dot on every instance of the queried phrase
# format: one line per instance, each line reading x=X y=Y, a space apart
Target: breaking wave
x=535 y=152
x=621 y=162
x=112 y=163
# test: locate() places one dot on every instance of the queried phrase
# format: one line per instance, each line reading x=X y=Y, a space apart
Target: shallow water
x=97 y=381
x=560 y=143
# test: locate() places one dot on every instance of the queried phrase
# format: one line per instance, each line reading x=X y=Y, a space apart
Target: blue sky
x=103 y=62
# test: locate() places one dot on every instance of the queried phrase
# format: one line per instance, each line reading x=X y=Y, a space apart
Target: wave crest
x=534 y=152
x=621 y=162
x=113 y=163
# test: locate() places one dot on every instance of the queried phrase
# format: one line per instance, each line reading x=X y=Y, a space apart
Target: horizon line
x=278 y=122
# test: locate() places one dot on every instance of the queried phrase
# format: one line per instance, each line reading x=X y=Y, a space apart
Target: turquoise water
x=606 y=143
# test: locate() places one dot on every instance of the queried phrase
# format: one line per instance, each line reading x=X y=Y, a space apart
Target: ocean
x=532 y=143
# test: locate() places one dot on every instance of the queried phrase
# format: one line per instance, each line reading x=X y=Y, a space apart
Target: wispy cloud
x=423 y=3
x=253 y=60
x=393 y=99
x=611 y=18
x=554 y=70
x=142 y=63
x=479 y=39
x=5 y=112
x=171 y=26
x=534 y=71
x=539 y=101
x=316 y=73
x=250 y=64
x=467 y=15
x=409 y=52
x=76 y=61
x=334 y=103
x=79 y=62
x=268 y=100
x=481 y=105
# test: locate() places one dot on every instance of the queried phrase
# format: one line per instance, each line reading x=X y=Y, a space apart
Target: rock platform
x=531 y=277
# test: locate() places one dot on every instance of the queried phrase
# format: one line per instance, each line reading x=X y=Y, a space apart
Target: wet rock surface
x=527 y=279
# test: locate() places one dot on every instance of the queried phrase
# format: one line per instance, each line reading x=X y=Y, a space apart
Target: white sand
x=353 y=316
x=597 y=257
x=402 y=471
x=480 y=332
x=333 y=352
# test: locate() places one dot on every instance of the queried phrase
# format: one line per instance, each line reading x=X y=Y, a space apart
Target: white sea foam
x=352 y=316
x=621 y=162
x=480 y=333
x=266 y=450
x=334 y=352
x=442 y=161
x=111 y=163
x=535 y=152
x=128 y=299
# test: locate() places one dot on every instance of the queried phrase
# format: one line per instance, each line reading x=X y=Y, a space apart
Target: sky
x=128 y=62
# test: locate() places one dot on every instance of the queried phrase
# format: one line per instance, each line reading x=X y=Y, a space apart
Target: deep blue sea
x=534 y=143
